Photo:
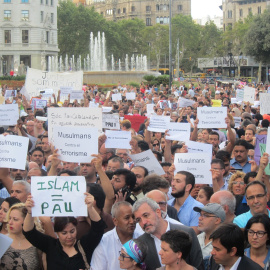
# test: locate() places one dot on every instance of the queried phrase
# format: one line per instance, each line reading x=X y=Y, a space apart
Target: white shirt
x=206 y=249
x=105 y=256
x=234 y=267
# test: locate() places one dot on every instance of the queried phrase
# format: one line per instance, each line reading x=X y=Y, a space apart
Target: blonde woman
x=236 y=183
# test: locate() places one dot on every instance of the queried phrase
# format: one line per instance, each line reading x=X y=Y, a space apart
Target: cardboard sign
x=197 y=164
x=76 y=144
x=118 y=139
x=264 y=103
x=130 y=96
x=178 y=131
x=13 y=151
x=110 y=121
x=136 y=121
x=149 y=161
x=58 y=196
x=9 y=114
x=158 y=123
x=76 y=94
x=210 y=117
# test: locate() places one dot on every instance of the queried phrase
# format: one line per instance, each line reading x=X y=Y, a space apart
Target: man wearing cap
x=211 y=216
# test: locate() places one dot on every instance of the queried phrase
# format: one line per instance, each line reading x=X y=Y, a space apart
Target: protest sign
x=211 y=117
x=265 y=103
x=93 y=104
x=37 y=80
x=260 y=139
x=118 y=139
x=183 y=102
x=178 y=131
x=9 y=114
x=164 y=104
x=76 y=94
x=174 y=106
x=5 y=243
x=58 y=196
x=237 y=122
x=10 y=93
x=262 y=151
x=130 y=96
x=75 y=144
x=158 y=123
x=267 y=149
x=196 y=147
x=46 y=93
x=240 y=94
x=110 y=121
x=106 y=109
x=136 y=121
x=13 y=151
x=256 y=104
x=233 y=100
x=116 y=97
x=40 y=103
x=65 y=90
x=149 y=161
x=76 y=117
x=216 y=103
x=249 y=94
x=197 y=164
x=150 y=108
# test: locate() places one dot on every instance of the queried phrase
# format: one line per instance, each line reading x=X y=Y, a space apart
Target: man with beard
x=17 y=174
x=140 y=172
x=88 y=171
x=182 y=184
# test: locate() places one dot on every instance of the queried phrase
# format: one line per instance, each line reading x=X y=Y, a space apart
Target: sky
x=203 y=8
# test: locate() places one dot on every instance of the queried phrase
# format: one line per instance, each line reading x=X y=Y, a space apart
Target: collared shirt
x=206 y=249
x=246 y=168
x=4 y=193
x=224 y=187
x=234 y=267
x=227 y=178
x=105 y=256
x=186 y=214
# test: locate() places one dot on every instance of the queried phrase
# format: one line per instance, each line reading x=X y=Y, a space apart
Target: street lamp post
x=170 y=44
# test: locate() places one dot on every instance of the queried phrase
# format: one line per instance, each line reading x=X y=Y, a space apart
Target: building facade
x=235 y=10
x=28 y=34
x=150 y=11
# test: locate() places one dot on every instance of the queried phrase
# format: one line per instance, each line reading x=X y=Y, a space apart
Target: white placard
x=178 y=131
x=75 y=117
x=58 y=196
x=158 y=123
x=13 y=152
x=93 y=104
x=183 y=102
x=212 y=117
x=9 y=114
x=197 y=164
x=65 y=90
x=5 y=243
x=110 y=121
x=106 y=109
x=116 y=97
x=75 y=144
x=40 y=104
x=265 y=103
x=10 y=93
x=76 y=94
x=240 y=94
x=267 y=149
x=150 y=108
x=256 y=104
x=197 y=147
x=118 y=139
x=233 y=100
x=148 y=160
x=237 y=122
x=37 y=80
x=249 y=94
x=46 y=92
x=130 y=96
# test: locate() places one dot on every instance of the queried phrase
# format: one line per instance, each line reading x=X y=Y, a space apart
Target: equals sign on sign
x=57 y=198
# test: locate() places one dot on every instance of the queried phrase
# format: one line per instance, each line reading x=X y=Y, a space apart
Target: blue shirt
x=246 y=168
x=186 y=214
x=266 y=260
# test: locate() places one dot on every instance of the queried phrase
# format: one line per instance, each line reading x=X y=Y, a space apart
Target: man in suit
x=148 y=214
x=228 y=249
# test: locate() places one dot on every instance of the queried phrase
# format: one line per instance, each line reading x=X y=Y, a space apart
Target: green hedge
x=12 y=78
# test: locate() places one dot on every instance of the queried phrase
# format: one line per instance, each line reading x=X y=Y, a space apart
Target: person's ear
x=233 y=251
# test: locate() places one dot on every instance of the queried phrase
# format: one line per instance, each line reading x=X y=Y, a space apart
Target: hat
x=212 y=208
x=237 y=112
x=246 y=115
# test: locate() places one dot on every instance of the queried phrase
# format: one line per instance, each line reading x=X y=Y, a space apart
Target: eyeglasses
x=258 y=196
x=155 y=144
x=237 y=182
x=162 y=203
x=216 y=169
x=205 y=215
x=259 y=234
x=123 y=256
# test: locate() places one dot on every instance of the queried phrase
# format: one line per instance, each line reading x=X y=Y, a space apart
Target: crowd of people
x=136 y=219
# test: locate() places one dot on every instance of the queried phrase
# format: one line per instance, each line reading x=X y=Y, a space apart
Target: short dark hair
x=223 y=155
x=165 y=164
x=265 y=123
x=190 y=179
x=98 y=193
x=218 y=161
x=242 y=143
x=214 y=133
x=208 y=192
x=179 y=241
x=145 y=170
x=230 y=235
x=256 y=182
x=37 y=149
x=248 y=175
x=259 y=218
x=143 y=145
x=11 y=201
x=154 y=181
x=130 y=177
x=70 y=173
x=61 y=222
x=175 y=147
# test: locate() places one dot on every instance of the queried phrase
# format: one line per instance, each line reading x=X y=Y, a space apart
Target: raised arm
x=6 y=179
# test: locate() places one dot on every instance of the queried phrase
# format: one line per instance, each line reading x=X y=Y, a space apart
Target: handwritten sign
x=149 y=161
x=9 y=114
x=158 y=123
x=118 y=139
x=265 y=103
x=212 y=117
x=178 y=131
x=197 y=164
x=130 y=96
x=249 y=94
x=110 y=121
x=76 y=144
x=76 y=117
x=58 y=196
x=40 y=103
x=76 y=94
x=13 y=151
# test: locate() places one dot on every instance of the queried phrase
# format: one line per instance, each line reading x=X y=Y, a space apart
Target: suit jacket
x=172 y=212
x=245 y=264
x=152 y=258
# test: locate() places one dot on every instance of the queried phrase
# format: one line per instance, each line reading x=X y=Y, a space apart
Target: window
x=157 y=7
x=118 y=11
x=148 y=8
x=52 y=18
x=7 y=15
x=250 y=11
x=25 y=1
x=157 y=20
x=51 y=2
x=179 y=7
x=25 y=15
x=7 y=1
x=47 y=37
x=229 y=14
x=7 y=36
x=241 y=12
x=148 y=21
x=41 y=16
x=25 y=37
x=133 y=9
x=259 y=10
x=124 y=10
